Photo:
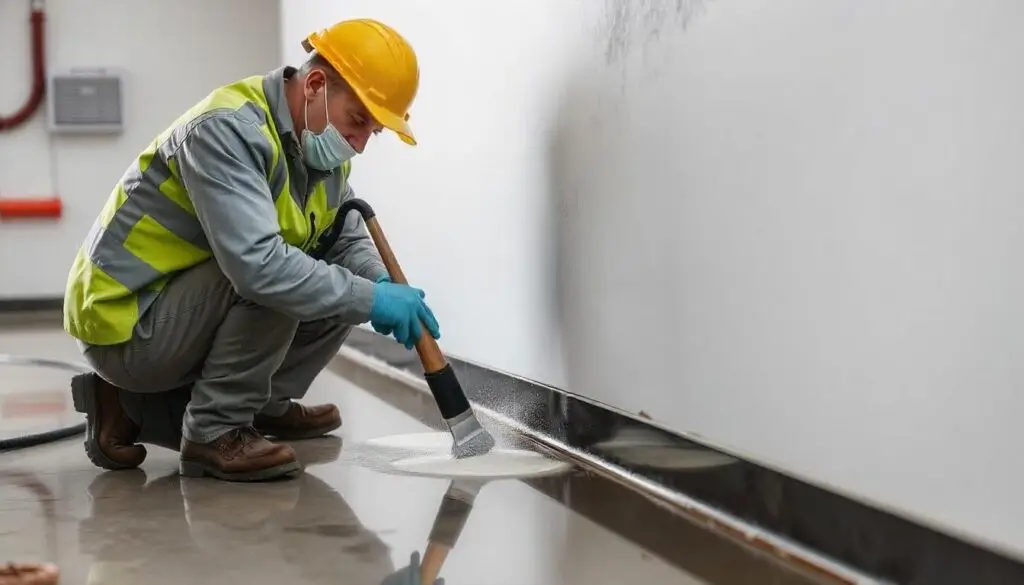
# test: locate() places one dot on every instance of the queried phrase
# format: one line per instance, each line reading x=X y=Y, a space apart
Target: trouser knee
x=329 y=330
x=106 y=361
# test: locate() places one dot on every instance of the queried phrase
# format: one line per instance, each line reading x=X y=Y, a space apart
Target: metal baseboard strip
x=807 y=527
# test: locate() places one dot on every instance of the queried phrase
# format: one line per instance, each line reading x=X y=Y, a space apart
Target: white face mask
x=329 y=149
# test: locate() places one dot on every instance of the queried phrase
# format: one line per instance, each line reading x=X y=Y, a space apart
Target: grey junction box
x=86 y=101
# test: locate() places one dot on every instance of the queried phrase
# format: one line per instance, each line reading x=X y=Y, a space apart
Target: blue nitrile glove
x=381 y=327
x=401 y=308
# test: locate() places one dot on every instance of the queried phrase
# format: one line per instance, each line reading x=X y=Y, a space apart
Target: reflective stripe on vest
x=148 y=229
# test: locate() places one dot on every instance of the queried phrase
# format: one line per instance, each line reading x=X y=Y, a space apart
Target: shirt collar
x=273 y=88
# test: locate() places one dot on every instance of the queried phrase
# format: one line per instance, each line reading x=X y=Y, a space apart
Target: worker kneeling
x=219 y=280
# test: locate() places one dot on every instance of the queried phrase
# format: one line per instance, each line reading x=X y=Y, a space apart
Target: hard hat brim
x=387 y=119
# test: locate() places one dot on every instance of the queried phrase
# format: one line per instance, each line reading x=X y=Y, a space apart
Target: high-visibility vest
x=148 y=230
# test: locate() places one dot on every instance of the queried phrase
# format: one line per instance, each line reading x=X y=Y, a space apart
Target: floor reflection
x=185 y=528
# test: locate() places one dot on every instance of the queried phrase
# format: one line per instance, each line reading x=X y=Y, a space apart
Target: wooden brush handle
x=433 y=560
x=426 y=346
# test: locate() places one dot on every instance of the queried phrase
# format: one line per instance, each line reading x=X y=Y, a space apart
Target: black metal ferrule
x=359 y=205
x=451 y=518
x=447 y=391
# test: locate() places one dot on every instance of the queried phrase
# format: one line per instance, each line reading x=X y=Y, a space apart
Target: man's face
x=347 y=113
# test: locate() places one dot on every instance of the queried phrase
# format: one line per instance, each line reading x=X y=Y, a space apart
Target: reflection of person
x=220 y=260
x=201 y=530
x=409 y=574
x=448 y=524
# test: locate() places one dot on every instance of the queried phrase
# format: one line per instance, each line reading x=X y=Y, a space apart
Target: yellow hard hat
x=378 y=63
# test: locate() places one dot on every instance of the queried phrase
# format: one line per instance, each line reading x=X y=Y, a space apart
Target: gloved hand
x=409 y=575
x=380 y=327
x=399 y=308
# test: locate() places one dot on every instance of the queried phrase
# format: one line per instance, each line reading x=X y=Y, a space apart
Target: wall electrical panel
x=86 y=101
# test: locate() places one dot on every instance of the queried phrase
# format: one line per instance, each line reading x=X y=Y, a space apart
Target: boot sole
x=84 y=400
x=191 y=468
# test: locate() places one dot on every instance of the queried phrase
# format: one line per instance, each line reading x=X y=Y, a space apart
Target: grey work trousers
x=223 y=359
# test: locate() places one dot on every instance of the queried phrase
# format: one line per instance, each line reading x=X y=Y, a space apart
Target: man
x=218 y=280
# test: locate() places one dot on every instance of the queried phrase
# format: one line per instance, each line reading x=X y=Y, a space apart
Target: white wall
x=827 y=199
x=172 y=54
x=791 y=227
x=466 y=209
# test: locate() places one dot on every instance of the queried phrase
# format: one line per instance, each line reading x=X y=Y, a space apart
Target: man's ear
x=315 y=81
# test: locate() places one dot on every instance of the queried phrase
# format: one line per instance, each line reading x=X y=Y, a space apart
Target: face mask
x=327 y=150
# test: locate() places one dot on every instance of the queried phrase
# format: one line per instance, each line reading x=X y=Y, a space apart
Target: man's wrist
x=362 y=299
x=381 y=275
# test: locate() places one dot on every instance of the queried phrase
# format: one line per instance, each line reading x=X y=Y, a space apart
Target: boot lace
x=235 y=442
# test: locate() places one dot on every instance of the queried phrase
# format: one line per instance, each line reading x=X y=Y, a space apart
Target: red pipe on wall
x=35 y=98
x=49 y=208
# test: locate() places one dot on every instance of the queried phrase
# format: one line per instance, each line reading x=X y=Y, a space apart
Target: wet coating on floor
x=339 y=522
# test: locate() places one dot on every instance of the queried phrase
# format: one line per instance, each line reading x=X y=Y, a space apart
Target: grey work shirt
x=222 y=163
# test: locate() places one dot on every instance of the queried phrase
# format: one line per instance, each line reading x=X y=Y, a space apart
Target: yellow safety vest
x=148 y=230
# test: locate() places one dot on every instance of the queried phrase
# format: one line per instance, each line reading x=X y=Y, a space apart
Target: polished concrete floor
x=338 y=523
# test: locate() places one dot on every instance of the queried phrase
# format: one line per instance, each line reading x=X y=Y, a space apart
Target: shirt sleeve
x=223 y=164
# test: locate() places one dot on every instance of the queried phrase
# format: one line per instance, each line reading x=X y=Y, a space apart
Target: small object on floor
x=495 y=464
x=29 y=574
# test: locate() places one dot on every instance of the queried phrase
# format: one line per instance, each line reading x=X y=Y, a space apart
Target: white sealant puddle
x=496 y=464
x=414 y=442
x=429 y=455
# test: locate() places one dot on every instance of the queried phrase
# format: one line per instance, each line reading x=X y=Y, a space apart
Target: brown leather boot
x=241 y=454
x=110 y=439
x=300 y=422
x=29 y=574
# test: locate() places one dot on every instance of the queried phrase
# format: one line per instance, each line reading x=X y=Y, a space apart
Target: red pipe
x=31 y=208
x=35 y=98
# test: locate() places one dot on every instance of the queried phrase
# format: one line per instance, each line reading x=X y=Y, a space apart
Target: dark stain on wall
x=630 y=25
